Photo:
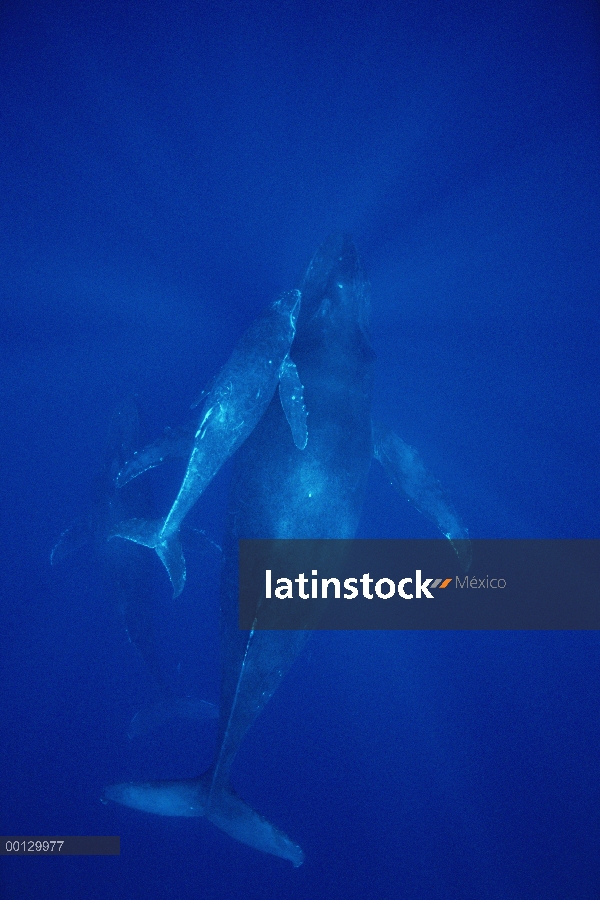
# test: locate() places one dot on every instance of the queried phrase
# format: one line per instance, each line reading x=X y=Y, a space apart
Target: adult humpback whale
x=236 y=401
x=279 y=491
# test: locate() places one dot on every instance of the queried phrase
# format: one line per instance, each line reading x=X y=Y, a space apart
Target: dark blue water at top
x=165 y=170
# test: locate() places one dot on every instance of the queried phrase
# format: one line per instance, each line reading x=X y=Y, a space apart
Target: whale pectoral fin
x=75 y=537
x=205 y=392
x=291 y=394
x=148 y=533
x=176 y=443
x=408 y=475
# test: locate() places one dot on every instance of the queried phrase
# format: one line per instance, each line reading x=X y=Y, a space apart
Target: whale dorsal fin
x=291 y=394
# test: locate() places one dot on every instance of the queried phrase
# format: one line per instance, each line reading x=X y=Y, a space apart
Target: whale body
x=236 y=401
x=127 y=576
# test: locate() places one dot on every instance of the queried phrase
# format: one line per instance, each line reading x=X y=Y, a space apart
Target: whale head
x=335 y=293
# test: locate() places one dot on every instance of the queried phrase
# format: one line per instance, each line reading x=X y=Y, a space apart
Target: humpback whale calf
x=280 y=491
x=236 y=401
x=126 y=574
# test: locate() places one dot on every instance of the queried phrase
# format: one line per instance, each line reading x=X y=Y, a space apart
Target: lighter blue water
x=165 y=170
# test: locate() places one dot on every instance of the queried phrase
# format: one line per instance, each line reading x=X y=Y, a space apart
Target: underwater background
x=166 y=169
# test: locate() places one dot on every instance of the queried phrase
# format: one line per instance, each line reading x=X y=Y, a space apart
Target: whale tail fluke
x=171 y=556
x=148 y=532
x=222 y=807
x=229 y=813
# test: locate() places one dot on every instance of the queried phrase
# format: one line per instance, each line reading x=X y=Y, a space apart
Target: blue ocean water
x=165 y=170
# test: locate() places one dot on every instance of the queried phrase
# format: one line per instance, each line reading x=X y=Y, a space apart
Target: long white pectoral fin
x=406 y=471
x=204 y=394
x=174 y=444
x=291 y=394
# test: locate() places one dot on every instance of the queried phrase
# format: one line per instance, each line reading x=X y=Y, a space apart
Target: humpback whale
x=126 y=574
x=280 y=491
x=236 y=401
